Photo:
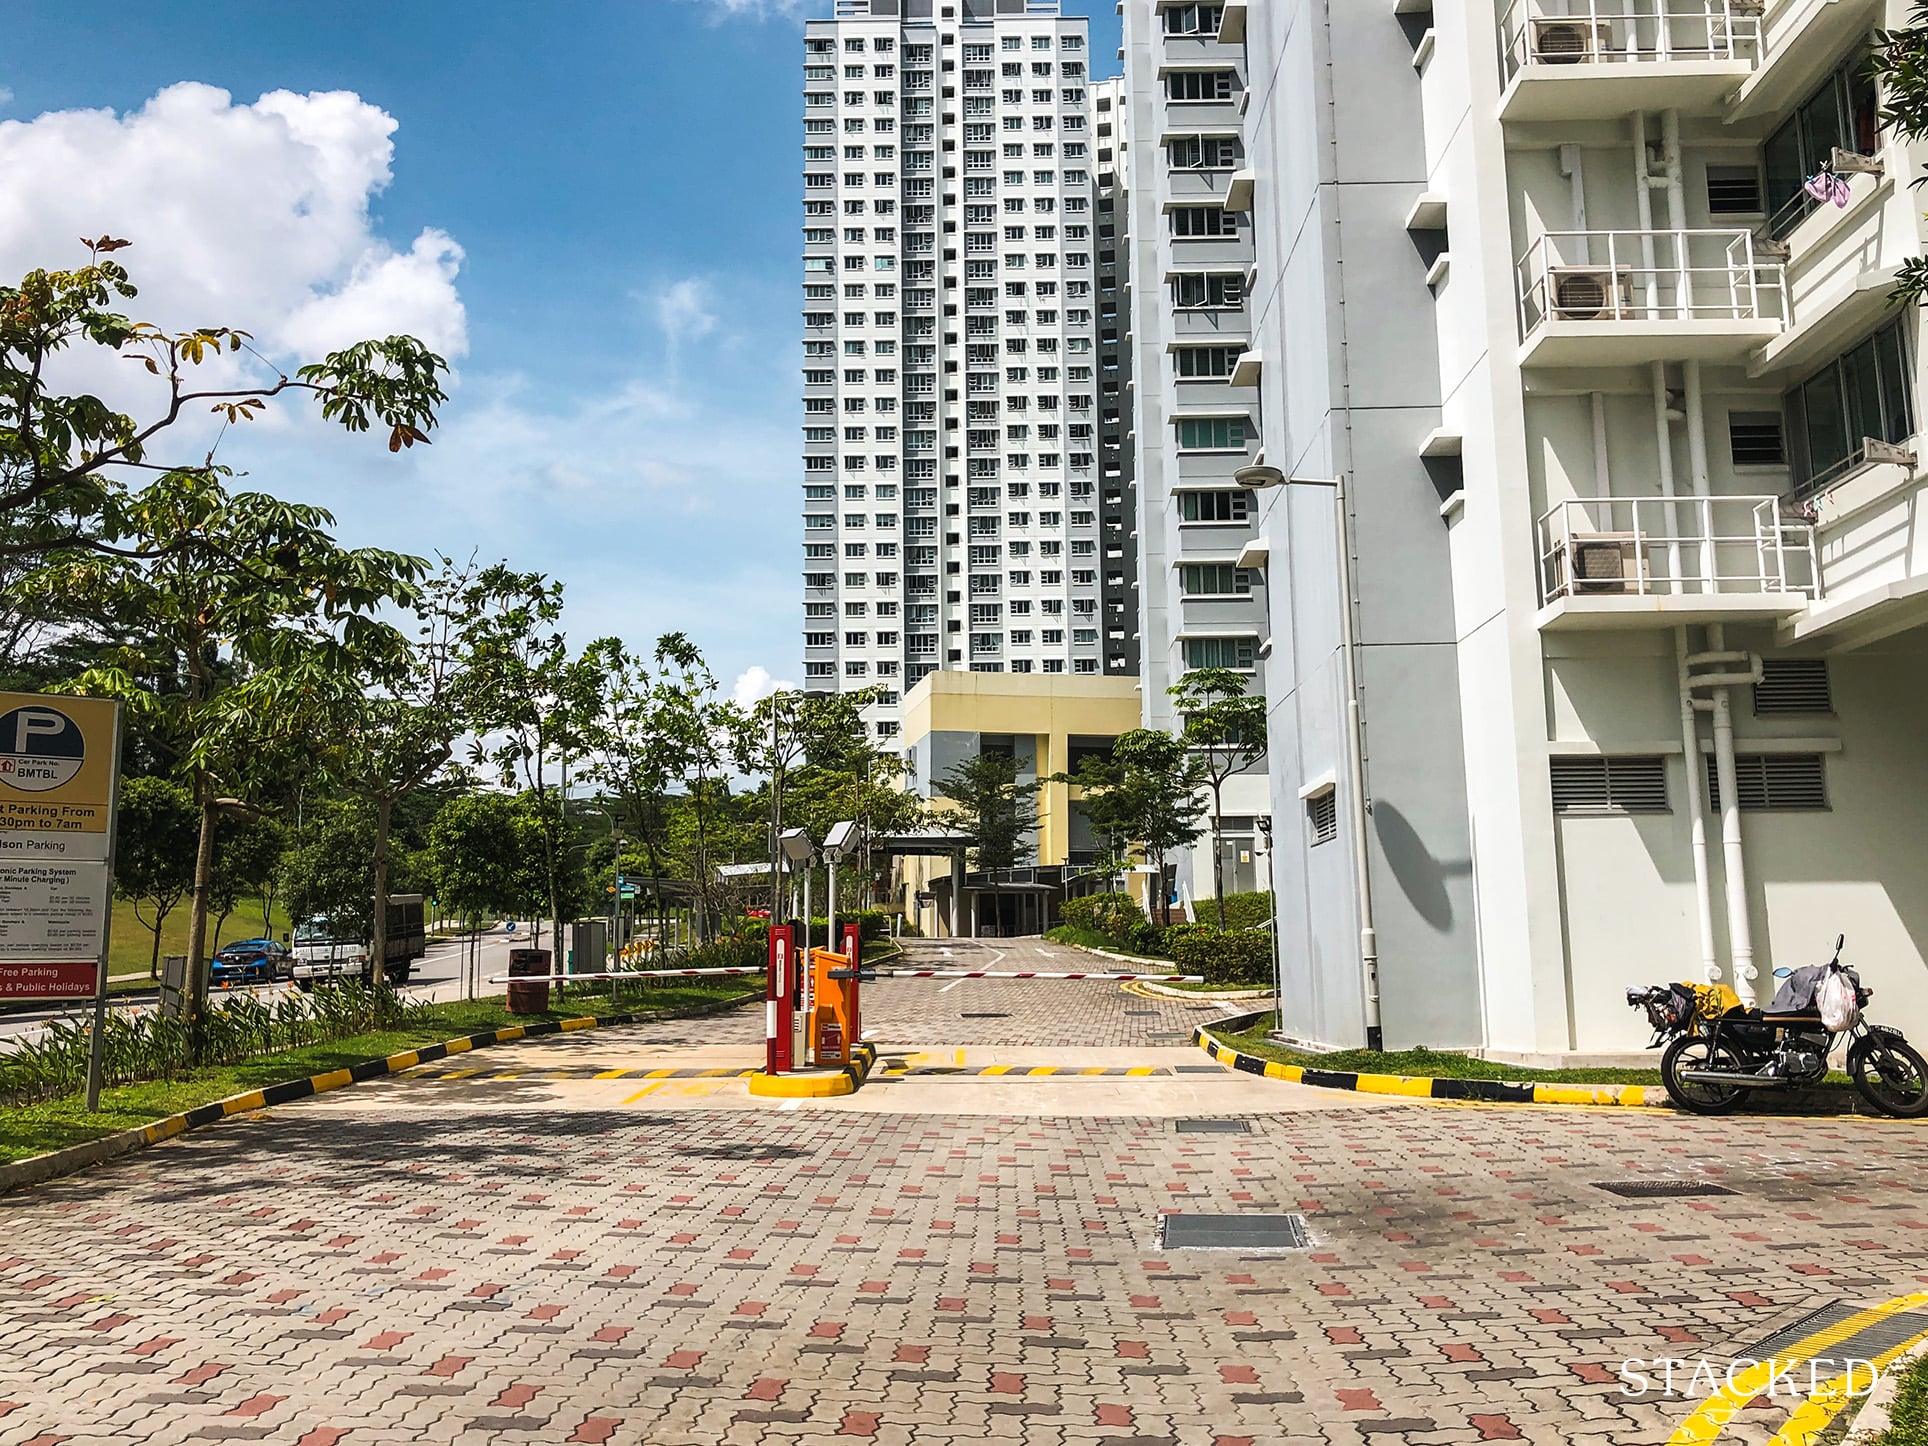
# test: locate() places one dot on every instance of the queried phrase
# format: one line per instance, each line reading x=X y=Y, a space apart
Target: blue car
x=253 y=961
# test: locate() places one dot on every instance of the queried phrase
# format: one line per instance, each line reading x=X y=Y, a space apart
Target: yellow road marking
x=1711 y=1417
x=1142 y=1070
x=646 y=1089
x=611 y=1074
x=1819 y=1411
x=995 y=1069
x=1042 y=1069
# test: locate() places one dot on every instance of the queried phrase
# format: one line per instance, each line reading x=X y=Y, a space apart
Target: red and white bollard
x=777 y=1043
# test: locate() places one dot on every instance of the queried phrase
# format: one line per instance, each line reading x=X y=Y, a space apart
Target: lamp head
x=838 y=841
x=796 y=845
x=1259 y=474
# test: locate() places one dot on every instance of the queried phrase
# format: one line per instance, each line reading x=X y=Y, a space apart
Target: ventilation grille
x=1793 y=685
x=1754 y=439
x=1774 y=782
x=1601 y=784
x=1322 y=816
x=1733 y=191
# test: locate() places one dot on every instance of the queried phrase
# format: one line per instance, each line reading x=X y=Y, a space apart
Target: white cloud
x=757 y=9
x=6 y=95
x=246 y=215
x=755 y=682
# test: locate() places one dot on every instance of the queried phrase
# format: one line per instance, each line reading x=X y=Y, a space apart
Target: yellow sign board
x=57 y=768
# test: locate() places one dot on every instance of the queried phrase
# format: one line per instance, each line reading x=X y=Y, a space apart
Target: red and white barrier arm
x=1028 y=974
x=619 y=974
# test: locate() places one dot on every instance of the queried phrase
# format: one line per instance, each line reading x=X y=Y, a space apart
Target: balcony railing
x=1628 y=32
x=1661 y=276
x=1604 y=547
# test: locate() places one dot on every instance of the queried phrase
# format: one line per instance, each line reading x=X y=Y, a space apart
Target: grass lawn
x=1092 y=939
x=1908 y=1411
x=34 y=1129
x=1430 y=1063
x=131 y=950
x=1218 y=988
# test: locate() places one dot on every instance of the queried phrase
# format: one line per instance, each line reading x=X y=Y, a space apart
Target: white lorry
x=325 y=950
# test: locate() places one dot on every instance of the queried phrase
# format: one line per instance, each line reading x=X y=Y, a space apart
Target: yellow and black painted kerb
x=819 y=1084
x=1488 y=1091
x=51 y=1166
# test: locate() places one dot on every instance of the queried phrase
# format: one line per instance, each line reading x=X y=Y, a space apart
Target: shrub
x=1242 y=911
x=1229 y=957
x=1113 y=915
x=1146 y=937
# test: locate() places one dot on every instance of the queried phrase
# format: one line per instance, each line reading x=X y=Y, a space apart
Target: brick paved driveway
x=936 y=1012
x=367 y=1273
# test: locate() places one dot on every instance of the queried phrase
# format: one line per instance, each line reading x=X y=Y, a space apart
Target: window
x=1862 y=394
x=1203 y=153
x=1322 y=817
x=1213 y=579
x=1754 y=439
x=1193 y=19
x=1793 y=686
x=1191 y=222
x=1601 y=783
x=1733 y=191
x=1211 y=434
x=1774 y=782
x=1206 y=361
x=1239 y=654
x=1227 y=506
x=1198 y=85
x=1840 y=112
x=1208 y=290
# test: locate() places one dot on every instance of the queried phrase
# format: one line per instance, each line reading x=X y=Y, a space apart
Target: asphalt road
x=438 y=976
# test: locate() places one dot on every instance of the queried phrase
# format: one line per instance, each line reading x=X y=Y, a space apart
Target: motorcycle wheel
x=1891 y=1075
x=1697 y=1052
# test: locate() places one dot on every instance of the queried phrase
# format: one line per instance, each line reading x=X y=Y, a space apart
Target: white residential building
x=1184 y=200
x=1629 y=430
x=951 y=508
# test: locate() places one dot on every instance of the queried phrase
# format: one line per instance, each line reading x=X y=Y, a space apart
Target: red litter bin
x=532 y=996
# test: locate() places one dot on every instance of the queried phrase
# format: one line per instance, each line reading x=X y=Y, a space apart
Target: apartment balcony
x=1619 y=298
x=1800 y=42
x=1629 y=562
x=1605 y=59
x=1870 y=520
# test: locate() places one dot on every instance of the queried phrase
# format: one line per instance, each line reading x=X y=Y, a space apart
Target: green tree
x=68 y=463
x=247 y=610
x=484 y=853
x=154 y=852
x=696 y=725
x=247 y=865
x=1899 y=64
x=540 y=704
x=1225 y=727
x=998 y=811
x=391 y=739
x=1157 y=798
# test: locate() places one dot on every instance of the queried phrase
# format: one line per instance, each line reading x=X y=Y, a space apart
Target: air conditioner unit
x=1589 y=293
x=1567 y=42
x=1593 y=564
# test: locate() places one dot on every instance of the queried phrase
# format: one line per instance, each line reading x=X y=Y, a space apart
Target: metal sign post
x=59 y=789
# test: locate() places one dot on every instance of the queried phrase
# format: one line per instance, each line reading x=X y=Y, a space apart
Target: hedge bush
x=1229 y=957
x=1113 y=915
x=1242 y=911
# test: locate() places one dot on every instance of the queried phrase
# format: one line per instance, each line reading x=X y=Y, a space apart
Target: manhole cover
x=1212 y=1127
x=1659 y=1189
x=1233 y=1232
x=1131 y=1013
x=984 y=1014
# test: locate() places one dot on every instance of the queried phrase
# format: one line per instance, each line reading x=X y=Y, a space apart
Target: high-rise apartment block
x=1588 y=307
x=951 y=469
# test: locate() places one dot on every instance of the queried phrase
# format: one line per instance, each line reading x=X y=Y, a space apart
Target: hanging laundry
x=1825 y=186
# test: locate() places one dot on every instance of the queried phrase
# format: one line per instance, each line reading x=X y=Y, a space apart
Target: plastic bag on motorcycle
x=1838 y=1002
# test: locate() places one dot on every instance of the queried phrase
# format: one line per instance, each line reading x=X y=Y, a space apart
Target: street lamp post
x=1263 y=475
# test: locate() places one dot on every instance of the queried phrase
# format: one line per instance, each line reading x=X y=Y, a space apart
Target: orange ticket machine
x=836 y=1020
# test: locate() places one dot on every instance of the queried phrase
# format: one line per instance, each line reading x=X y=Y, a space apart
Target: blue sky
x=593 y=206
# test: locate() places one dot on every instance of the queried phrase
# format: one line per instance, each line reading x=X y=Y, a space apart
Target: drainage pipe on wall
x=1664 y=439
x=1740 y=933
x=1644 y=181
x=1696 y=811
x=1694 y=403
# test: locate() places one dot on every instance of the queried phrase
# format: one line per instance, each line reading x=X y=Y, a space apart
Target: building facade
x=1588 y=307
x=1182 y=193
x=1117 y=468
x=951 y=503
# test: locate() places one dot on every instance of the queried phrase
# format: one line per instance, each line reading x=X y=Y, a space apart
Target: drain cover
x=1659 y=1189
x=1233 y=1232
x=984 y=1014
x=1198 y=1069
x=1799 y=1329
x=1169 y=1034
x=1130 y=1013
x=1212 y=1127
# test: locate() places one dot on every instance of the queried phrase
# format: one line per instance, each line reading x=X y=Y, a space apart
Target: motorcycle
x=1711 y=1060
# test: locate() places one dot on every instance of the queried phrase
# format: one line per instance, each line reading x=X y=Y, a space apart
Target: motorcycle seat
x=1799 y=1017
